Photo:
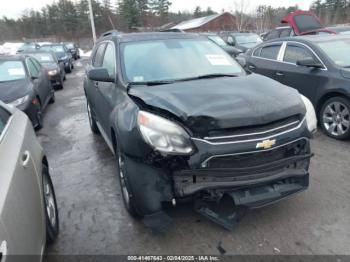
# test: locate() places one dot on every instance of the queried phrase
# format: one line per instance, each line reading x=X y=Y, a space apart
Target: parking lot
x=93 y=219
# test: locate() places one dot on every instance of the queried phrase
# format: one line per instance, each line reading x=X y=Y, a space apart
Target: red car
x=299 y=23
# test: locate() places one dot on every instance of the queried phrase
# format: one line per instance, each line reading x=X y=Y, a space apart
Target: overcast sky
x=14 y=8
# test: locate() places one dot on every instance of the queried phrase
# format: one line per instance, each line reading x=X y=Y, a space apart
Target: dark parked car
x=318 y=67
x=73 y=49
x=299 y=23
x=184 y=120
x=233 y=51
x=62 y=53
x=54 y=68
x=241 y=41
x=25 y=84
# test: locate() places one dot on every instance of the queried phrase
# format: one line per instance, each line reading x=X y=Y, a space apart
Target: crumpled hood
x=12 y=90
x=212 y=104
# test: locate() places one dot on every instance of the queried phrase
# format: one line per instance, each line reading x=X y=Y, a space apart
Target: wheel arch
x=327 y=96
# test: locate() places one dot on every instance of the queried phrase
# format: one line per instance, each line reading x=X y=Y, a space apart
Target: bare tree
x=240 y=10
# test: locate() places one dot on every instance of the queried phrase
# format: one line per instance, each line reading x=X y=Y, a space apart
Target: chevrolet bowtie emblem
x=266 y=144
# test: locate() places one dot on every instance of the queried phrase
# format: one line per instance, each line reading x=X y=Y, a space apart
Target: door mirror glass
x=231 y=41
x=309 y=62
x=100 y=74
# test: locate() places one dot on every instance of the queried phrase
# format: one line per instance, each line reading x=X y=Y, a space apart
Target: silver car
x=28 y=209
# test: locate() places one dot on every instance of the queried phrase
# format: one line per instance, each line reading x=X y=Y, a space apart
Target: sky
x=15 y=8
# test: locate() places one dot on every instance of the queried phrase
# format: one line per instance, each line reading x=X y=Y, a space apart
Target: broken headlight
x=164 y=135
x=310 y=116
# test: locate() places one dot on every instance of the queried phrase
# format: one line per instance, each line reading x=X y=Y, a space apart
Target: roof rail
x=111 y=32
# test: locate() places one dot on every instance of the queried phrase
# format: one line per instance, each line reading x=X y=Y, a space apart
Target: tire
x=69 y=69
x=92 y=121
x=128 y=200
x=53 y=98
x=335 y=118
x=51 y=211
x=38 y=117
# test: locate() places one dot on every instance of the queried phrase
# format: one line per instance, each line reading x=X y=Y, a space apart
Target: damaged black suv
x=185 y=121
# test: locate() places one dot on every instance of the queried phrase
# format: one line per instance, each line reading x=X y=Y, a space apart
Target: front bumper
x=55 y=80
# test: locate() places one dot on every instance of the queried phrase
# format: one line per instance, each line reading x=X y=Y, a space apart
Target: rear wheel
x=51 y=211
x=335 y=117
x=92 y=121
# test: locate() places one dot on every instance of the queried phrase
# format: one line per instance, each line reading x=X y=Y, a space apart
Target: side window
x=4 y=117
x=273 y=34
x=109 y=60
x=294 y=53
x=270 y=52
x=257 y=52
x=33 y=70
x=285 y=32
x=97 y=59
x=36 y=63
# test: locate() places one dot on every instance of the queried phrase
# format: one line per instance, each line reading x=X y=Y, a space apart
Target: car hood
x=345 y=72
x=60 y=54
x=50 y=66
x=302 y=21
x=231 y=50
x=211 y=104
x=12 y=90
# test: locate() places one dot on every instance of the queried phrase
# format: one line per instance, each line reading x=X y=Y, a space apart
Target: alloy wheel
x=125 y=191
x=336 y=118
x=50 y=203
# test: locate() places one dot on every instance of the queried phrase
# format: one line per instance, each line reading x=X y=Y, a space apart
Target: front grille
x=249 y=160
x=255 y=132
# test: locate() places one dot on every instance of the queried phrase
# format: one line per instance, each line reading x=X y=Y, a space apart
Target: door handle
x=3 y=251
x=251 y=67
x=25 y=158
x=279 y=74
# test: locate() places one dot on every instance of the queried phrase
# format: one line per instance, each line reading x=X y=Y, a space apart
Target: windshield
x=175 y=59
x=338 y=51
x=217 y=40
x=43 y=58
x=248 y=39
x=11 y=70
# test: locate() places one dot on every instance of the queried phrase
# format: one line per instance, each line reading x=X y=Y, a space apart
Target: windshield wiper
x=167 y=82
x=216 y=75
x=152 y=83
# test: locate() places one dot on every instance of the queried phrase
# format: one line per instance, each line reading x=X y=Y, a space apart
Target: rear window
x=11 y=71
x=43 y=58
x=307 y=22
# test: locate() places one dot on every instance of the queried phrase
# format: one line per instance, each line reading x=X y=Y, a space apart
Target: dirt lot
x=94 y=221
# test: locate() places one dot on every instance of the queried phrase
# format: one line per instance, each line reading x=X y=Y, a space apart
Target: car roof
x=13 y=57
x=133 y=37
x=310 y=38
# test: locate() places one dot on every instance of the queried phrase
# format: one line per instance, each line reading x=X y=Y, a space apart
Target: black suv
x=185 y=121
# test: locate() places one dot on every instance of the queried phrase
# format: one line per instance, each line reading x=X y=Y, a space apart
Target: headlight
x=164 y=135
x=311 y=119
x=19 y=101
x=52 y=72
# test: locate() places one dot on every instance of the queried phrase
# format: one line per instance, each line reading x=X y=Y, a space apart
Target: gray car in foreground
x=28 y=209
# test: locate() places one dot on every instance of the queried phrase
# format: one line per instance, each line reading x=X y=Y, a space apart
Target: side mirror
x=231 y=41
x=100 y=74
x=309 y=62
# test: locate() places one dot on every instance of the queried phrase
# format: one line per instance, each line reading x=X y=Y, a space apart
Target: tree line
x=69 y=19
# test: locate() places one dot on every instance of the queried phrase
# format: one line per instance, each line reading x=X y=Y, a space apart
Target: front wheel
x=51 y=211
x=92 y=121
x=129 y=201
x=335 y=117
